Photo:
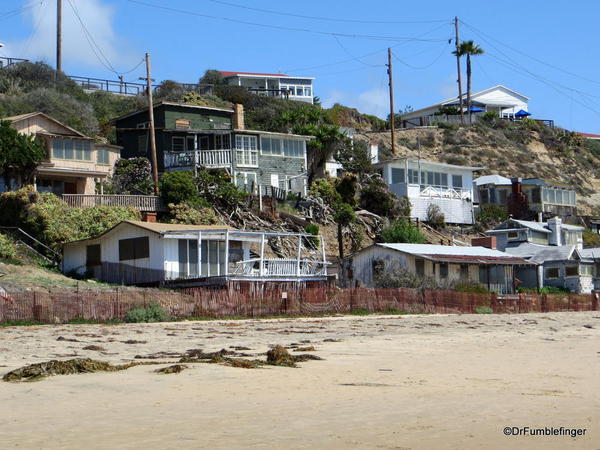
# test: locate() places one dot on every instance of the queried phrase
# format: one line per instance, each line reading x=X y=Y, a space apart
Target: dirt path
x=397 y=382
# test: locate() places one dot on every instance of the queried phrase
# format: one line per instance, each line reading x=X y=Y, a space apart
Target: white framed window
x=246 y=150
x=282 y=147
x=246 y=181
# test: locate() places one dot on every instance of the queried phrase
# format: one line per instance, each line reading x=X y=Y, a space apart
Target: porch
x=416 y=190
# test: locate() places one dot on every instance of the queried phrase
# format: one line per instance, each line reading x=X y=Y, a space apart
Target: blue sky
x=546 y=50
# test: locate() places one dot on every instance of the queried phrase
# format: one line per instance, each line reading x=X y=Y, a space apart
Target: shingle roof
x=592 y=253
x=541 y=253
x=167 y=227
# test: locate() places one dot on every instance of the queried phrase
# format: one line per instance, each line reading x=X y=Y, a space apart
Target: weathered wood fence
x=256 y=301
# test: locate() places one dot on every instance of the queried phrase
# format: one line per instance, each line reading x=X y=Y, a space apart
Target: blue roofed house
x=557 y=248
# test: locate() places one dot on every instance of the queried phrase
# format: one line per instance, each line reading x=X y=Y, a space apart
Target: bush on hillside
x=53 y=222
x=325 y=189
x=192 y=215
x=435 y=216
x=178 y=187
x=376 y=197
x=402 y=231
x=8 y=250
x=590 y=239
x=489 y=216
x=132 y=176
x=216 y=188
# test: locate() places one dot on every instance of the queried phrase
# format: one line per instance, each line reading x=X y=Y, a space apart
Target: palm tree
x=468 y=48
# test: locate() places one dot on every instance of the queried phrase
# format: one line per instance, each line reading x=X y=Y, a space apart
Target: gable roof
x=456 y=254
x=452 y=100
x=543 y=253
x=495 y=179
x=22 y=117
x=156 y=105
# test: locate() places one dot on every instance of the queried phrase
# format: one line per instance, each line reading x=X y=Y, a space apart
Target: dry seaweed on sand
x=175 y=368
x=305 y=349
x=95 y=348
x=34 y=372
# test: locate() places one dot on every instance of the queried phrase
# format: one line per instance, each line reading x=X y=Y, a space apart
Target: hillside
x=525 y=150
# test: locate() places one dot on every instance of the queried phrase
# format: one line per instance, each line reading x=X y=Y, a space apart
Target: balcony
x=212 y=159
x=143 y=203
x=256 y=267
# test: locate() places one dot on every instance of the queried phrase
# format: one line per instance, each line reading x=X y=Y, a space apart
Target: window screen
x=397 y=175
x=457 y=181
x=135 y=248
x=552 y=272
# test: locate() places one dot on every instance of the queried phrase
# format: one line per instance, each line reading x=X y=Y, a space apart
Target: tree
x=344 y=216
x=178 y=187
x=355 y=157
x=468 y=49
x=402 y=231
x=20 y=154
x=133 y=176
x=212 y=76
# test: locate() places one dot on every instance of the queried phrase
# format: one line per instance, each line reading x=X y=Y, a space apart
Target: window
x=570 y=237
x=178 y=143
x=377 y=268
x=464 y=271
x=586 y=270
x=571 y=271
x=222 y=142
x=76 y=149
x=246 y=150
x=134 y=248
x=457 y=181
x=246 y=181
x=444 y=270
x=552 y=272
x=188 y=258
x=397 y=175
x=420 y=267
x=438 y=179
x=413 y=176
x=102 y=155
x=183 y=124
x=93 y=255
x=142 y=144
x=212 y=254
x=513 y=235
x=279 y=146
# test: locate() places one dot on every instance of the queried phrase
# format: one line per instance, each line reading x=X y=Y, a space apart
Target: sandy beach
x=386 y=382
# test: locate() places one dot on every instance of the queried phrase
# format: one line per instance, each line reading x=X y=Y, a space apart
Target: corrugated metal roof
x=541 y=253
x=448 y=250
x=496 y=179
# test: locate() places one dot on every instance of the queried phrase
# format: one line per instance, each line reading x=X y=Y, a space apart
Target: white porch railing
x=446 y=192
x=146 y=203
x=256 y=268
x=207 y=158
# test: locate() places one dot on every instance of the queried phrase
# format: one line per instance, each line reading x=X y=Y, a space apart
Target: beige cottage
x=74 y=163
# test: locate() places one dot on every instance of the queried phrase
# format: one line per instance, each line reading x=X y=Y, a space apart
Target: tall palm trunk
x=469 y=85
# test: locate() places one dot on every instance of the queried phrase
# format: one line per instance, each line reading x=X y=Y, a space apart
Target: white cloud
x=373 y=101
x=97 y=18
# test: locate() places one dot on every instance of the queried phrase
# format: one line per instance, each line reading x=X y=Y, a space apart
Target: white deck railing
x=206 y=158
x=446 y=192
x=149 y=203
x=255 y=268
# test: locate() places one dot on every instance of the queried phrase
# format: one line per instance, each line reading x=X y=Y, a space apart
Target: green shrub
x=489 y=216
x=450 y=126
x=178 y=187
x=591 y=239
x=376 y=197
x=483 y=310
x=435 y=216
x=489 y=117
x=312 y=228
x=192 y=215
x=402 y=231
x=553 y=290
x=8 y=250
x=151 y=313
x=470 y=286
x=325 y=189
x=216 y=188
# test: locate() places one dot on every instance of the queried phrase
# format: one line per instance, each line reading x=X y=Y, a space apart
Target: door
x=70 y=188
x=275 y=180
x=204 y=145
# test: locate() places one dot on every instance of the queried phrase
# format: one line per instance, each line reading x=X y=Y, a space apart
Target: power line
x=481 y=33
x=352 y=56
x=437 y=58
x=279 y=27
x=34 y=30
x=328 y=19
x=16 y=12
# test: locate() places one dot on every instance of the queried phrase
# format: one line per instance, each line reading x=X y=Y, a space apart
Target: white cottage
x=505 y=101
x=154 y=253
x=426 y=182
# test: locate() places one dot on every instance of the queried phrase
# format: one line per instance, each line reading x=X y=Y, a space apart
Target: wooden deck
x=144 y=203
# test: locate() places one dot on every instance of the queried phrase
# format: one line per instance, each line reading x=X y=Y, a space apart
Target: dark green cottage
x=189 y=136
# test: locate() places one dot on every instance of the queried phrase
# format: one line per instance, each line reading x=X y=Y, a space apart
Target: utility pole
x=59 y=35
x=151 y=117
x=459 y=79
x=391 y=84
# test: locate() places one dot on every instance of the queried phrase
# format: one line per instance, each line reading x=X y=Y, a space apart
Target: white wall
x=75 y=254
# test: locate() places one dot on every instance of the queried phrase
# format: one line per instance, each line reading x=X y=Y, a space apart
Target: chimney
x=540 y=217
x=517 y=186
x=148 y=216
x=487 y=242
x=554 y=225
x=238 y=117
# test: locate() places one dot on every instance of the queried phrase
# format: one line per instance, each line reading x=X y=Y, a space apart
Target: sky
x=546 y=50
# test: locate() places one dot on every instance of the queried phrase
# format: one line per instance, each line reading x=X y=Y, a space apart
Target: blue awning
x=522 y=113
x=476 y=109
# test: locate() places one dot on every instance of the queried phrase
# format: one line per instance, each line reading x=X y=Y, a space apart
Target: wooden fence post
x=594 y=301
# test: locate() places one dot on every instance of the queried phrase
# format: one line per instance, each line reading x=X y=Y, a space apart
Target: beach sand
x=386 y=382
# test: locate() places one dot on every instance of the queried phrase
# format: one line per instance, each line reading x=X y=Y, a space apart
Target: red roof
x=479 y=259
x=230 y=74
x=589 y=135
